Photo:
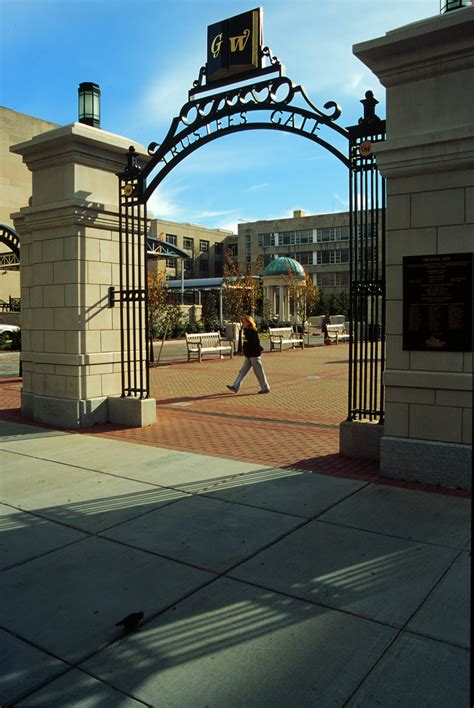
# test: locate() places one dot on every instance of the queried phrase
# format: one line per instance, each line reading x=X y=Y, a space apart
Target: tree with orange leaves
x=241 y=290
x=157 y=303
x=303 y=294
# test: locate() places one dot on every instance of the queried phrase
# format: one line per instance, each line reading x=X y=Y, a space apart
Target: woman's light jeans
x=255 y=363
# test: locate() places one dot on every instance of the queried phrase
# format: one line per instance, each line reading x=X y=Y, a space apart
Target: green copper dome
x=281 y=266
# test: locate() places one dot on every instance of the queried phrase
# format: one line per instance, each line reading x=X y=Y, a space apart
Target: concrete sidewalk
x=259 y=586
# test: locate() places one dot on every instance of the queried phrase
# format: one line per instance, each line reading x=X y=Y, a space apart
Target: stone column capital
x=440 y=44
x=79 y=144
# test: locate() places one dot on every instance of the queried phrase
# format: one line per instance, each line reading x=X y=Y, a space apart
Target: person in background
x=324 y=328
x=252 y=354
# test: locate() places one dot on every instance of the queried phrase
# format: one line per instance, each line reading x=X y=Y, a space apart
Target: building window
x=234 y=249
x=304 y=257
x=341 y=279
x=327 y=234
x=323 y=257
x=204 y=246
x=333 y=280
x=188 y=244
x=171 y=238
x=340 y=256
x=325 y=280
x=369 y=230
x=343 y=233
x=333 y=233
x=219 y=249
x=266 y=240
x=248 y=242
x=170 y=263
x=336 y=256
x=290 y=238
x=364 y=254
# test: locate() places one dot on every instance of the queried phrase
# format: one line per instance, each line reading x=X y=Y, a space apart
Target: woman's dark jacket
x=251 y=343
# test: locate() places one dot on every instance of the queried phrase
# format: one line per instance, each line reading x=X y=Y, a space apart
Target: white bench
x=279 y=336
x=337 y=332
x=207 y=343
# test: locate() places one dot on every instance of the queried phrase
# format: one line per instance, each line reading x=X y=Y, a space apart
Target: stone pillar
x=428 y=159
x=69 y=259
x=281 y=313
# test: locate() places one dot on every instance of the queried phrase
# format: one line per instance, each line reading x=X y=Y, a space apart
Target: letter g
x=216 y=45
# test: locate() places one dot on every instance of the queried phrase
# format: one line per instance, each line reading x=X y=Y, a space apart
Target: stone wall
x=15 y=180
x=428 y=160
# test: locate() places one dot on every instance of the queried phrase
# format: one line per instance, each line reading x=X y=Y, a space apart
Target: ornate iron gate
x=367 y=268
x=133 y=293
x=272 y=103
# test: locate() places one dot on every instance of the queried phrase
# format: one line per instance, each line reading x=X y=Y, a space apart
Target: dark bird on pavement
x=130 y=622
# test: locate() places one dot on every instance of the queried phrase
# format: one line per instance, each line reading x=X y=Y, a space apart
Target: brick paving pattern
x=295 y=426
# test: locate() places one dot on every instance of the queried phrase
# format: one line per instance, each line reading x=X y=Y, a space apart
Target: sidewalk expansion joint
x=403 y=630
x=416 y=541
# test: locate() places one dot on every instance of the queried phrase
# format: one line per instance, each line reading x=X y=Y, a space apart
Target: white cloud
x=163 y=98
x=362 y=203
x=258 y=187
x=343 y=201
x=319 y=54
x=213 y=214
x=163 y=203
x=227 y=226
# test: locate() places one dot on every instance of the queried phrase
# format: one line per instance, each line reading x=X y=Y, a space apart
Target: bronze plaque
x=437 y=303
x=365 y=148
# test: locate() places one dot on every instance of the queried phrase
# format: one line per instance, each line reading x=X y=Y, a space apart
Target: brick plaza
x=296 y=426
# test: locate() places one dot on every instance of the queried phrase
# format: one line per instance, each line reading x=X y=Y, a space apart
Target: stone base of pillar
x=360 y=440
x=68 y=413
x=64 y=412
x=426 y=461
x=134 y=412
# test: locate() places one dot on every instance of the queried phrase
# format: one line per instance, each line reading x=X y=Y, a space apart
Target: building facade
x=320 y=242
x=206 y=248
x=16 y=186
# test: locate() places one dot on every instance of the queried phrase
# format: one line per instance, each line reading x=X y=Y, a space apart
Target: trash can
x=232 y=330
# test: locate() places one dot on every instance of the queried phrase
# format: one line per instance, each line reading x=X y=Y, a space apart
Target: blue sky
x=145 y=55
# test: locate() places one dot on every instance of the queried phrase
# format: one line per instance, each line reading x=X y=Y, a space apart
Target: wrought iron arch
x=274 y=103
x=10 y=238
x=204 y=119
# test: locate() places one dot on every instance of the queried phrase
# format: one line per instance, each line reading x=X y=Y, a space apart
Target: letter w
x=237 y=44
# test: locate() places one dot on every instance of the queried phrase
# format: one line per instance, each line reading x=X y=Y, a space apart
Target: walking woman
x=252 y=352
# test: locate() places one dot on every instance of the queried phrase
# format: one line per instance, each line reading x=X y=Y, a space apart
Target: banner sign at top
x=234 y=46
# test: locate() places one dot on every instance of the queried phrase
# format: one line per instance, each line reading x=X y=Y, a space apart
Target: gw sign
x=234 y=46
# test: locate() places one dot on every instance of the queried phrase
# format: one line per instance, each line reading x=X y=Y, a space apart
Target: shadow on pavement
x=67 y=602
